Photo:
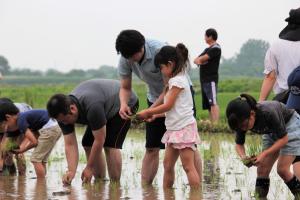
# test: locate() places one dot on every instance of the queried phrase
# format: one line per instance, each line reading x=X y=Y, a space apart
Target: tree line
x=249 y=61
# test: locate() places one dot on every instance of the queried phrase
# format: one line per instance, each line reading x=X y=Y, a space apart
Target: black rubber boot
x=262 y=188
x=294 y=186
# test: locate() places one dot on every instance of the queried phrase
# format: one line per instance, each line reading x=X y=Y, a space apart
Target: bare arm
x=166 y=106
x=71 y=151
x=33 y=142
x=267 y=85
x=124 y=95
x=201 y=59
x=240 y=149
x=160 y=99
x=272 y=150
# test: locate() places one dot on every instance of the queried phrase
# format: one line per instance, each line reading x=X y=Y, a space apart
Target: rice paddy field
x=224 y=175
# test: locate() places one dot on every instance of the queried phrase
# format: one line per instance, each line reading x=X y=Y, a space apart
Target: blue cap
x=294 y=86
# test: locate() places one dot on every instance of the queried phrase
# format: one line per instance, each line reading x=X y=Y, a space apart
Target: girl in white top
x=181 y=136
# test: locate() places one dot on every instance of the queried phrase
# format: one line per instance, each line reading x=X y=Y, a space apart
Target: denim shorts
x=293 y=145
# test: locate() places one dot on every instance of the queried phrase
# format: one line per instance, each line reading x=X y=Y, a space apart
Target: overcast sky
x=66 y=34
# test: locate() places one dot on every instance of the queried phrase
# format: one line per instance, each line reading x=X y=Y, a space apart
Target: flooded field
x=224 y=176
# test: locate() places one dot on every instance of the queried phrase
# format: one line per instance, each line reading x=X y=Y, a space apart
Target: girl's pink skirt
x=187 y=137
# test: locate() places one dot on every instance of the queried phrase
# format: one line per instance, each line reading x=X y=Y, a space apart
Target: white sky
x=66 y=34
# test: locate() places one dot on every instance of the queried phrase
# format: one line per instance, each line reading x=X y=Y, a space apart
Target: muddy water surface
x=224 y=176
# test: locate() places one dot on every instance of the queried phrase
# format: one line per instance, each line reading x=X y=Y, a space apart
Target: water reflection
x=211 y=169
x=224 y=177
x=39 y=191
x=149 y=193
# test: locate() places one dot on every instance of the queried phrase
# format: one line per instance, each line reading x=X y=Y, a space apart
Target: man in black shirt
x=209 y=61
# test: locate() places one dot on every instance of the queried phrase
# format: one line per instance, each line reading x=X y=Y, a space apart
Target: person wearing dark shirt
x=280 y=130
x=209 y=61
x=94 y=103
x=6 y=159
x=38 y=132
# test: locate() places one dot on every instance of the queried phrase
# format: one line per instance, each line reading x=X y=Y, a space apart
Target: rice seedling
x=252 y=150
x=10 y=145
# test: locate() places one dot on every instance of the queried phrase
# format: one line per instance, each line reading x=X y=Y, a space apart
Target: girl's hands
x=144 y=115
x=248 y=161
x=151 y=119
x=260 y=158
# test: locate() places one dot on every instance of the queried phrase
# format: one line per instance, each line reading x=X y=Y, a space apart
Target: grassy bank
x=37 y=95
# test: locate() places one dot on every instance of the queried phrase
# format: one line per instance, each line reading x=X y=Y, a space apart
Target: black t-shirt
x=97 y=101
x=271 y=118
x=209 y=70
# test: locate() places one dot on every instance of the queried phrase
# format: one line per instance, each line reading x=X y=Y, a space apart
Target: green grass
x=37 y=95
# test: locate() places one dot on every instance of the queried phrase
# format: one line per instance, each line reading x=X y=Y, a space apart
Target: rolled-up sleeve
x=270 y=62
x=124 y=68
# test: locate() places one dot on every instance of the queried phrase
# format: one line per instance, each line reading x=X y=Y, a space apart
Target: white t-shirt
x=23 y=107
x=182 y=112
x=283 y=56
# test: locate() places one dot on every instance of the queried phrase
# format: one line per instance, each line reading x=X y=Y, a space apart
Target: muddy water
x=224 y=176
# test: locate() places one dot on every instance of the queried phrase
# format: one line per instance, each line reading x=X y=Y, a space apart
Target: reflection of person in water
x=40 y=190
x=149 y=192
x=211 y=169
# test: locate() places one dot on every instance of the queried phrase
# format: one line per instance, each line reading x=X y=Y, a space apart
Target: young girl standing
x=280 y=129
x=181 y=136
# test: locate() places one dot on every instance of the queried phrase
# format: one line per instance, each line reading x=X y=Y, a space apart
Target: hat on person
x=292 y=31
x=294 y=86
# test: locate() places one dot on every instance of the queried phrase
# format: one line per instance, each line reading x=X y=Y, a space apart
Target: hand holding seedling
x=67 y=178
x=125 y=111
x=144 y=115
x=248 y=161
x=259 y=158
x=86 y=175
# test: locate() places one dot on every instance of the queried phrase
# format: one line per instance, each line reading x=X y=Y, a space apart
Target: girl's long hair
x=178 y=55
x=239 y=109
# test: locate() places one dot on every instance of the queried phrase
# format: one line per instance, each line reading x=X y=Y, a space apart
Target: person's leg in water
x=187 y=156
x=198 y=164
x=100 y=165
x=114 y=163
x=87 y=143
x=263 y=170
x=40 y=169
x=283 y=170
x=150 y=165
x=154 y=133
x=171 y=156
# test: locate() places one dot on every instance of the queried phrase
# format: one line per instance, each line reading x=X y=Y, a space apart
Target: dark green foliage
x=4 y=65
x=248 y=62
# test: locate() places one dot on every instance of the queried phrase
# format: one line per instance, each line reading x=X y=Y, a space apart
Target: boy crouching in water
x=36 y=128
x=7 y=141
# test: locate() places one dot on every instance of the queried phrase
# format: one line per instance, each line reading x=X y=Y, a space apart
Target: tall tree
x=4 y=65
x=252 y=53
x=248 y=62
